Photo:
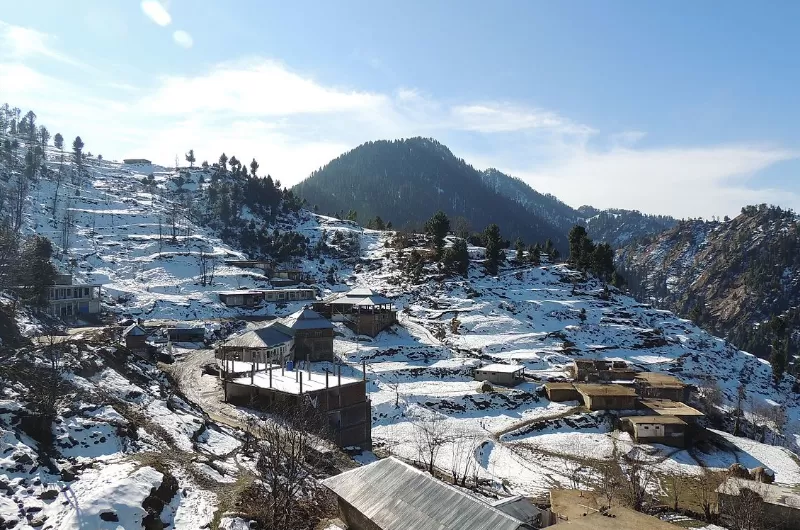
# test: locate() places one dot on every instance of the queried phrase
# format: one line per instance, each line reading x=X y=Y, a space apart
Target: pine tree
x=535 y=255
x=58 y=141
x=778 y=359
x=223 y=162
x=190 y=158
x=253 y=167
x=494 y=248
x=77 y=151
x=437 y=228
x=519 y=247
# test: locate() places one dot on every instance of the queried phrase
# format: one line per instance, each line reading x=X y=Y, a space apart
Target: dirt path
x=524 y=423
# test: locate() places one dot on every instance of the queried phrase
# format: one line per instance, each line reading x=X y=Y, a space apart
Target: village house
x=601 y=371
x=774 y=506
x=312 y=334
x=501 y=374
x=73 y=300
x=363 y=310
x=254 y=297
x=392 y=495
x=607 y=397
x=265 y=345
x=561 y=391
x=667 y=430
x=135 y=338
x=136 y=162
x=264 y=265
x=667 y=407
x=660 y=386
x=343 y=400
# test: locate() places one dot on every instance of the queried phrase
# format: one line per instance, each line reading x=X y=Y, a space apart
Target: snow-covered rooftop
x=306 y=319
x=501 y=368
x=266 y=337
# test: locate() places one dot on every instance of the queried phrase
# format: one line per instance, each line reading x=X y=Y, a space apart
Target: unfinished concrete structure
x=343 y=400
x=363 y=310
x=501 y=374
x=667 y=430
x=607 y=397
x=660 y=386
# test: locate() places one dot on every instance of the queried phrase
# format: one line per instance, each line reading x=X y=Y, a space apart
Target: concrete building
x=667 y=407
x=607 y=397
x=660 y=386
x=500 y=374
x=770 y=505
x=312 y=334
x=561 y=391
x=343 y=400
x=70 y=300
x=392 y=495
x=135 y=338
x=667 y=430
x=363 y=310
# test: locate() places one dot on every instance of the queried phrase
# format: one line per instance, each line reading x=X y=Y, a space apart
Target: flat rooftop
x=667 y=407
x=659 y=379
x=559 y=385
x=289 y=382
x=605 y=390
x=656 y=420
x=499 y=367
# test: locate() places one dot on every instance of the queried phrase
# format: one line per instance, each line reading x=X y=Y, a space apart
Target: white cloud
x=156 y=12
x=182 y=39
x=294 y=124
x=679 y=181
x=19 y=43
x=505 y=117
x=254 y=87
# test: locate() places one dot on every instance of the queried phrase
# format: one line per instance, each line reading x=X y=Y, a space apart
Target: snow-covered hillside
x=419 y=371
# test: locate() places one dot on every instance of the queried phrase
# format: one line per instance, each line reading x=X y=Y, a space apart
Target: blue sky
x=682 y=108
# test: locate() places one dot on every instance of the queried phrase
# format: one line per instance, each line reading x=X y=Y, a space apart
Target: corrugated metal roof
x=134 y=330
x=520 y=508
x=266 y=337
x=396 y=496
x=373 y=300
x=306 y=319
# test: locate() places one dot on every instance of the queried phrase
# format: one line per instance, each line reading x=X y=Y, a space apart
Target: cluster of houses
x=659 y=399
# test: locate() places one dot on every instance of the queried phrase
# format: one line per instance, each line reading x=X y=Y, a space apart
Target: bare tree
x=676 y=482
x=639 y=476
x=574 y=466
x=745 y=511
x=704 y=491
x=609 y=479
x=431 y=434
x=464 y=466
x=287 y=495
x=207 y=265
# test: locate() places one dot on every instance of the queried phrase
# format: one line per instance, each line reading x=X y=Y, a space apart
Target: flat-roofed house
x=667 y=407
x=363 y=310
x=501 y=374
x=561 y=391
x=392 y=495
x=660 y=386
x=607 y=397
x=70 y=300
x=667 y=430
x=241 y=298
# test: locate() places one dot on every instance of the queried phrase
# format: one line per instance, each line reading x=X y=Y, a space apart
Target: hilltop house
x=601 y=371
x=667 y=430
x=73 y=300
x=392 y=495
x=363 y=310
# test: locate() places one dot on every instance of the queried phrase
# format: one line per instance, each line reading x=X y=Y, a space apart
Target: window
x=85 y=291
